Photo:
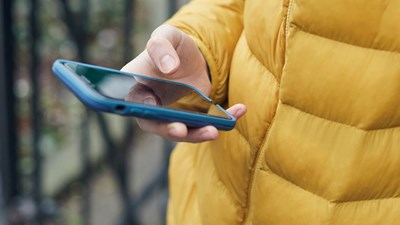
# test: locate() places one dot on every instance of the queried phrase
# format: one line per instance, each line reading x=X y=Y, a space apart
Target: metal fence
x=21 y=205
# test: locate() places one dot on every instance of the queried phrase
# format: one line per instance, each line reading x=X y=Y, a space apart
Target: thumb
x=161 y=48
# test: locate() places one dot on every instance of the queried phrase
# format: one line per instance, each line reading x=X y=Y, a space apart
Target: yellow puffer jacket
x=320 y=144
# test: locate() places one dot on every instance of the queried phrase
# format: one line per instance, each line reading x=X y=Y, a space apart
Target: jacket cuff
x=217 y=82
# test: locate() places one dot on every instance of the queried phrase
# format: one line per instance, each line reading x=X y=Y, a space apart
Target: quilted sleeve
x=215 y=26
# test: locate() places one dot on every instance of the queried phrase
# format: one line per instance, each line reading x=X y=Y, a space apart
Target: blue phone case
x=101 y=103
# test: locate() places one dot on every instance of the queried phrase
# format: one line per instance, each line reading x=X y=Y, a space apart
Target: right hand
x=173 y=55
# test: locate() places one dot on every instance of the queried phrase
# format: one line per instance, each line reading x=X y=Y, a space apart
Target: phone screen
x=143 y=90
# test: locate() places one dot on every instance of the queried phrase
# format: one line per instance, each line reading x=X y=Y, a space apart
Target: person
x=320 y=81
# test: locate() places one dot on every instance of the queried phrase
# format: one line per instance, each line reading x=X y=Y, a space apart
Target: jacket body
x=320 y=143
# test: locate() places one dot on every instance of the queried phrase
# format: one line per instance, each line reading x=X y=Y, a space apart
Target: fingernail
x=167 y=63
x=173 y=130
x=150 y=101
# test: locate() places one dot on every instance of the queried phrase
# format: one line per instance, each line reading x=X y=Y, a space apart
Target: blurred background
x=61 y=163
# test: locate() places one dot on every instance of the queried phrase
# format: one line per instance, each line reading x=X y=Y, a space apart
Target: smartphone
x=127 y=94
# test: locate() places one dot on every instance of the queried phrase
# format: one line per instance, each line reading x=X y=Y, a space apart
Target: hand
x=173 y=55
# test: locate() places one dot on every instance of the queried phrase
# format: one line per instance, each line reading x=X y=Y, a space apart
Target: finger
x=139 y=93
x=171 y=33
x=178 y=131
x=173 y=131
x=163 y=54
x=237 y=110
x=142 y=64
x=143 y=94
x=207 y=133
x=160 y=53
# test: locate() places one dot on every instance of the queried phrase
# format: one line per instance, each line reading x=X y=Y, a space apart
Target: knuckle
x=155 y=42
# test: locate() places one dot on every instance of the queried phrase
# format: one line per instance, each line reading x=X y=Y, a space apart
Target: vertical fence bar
x=118 y=163
x=2 y=204
x=85 y=160
x=85 y=141
x=35 y=110
x=8 y=131
x=130 y=213
x=3 y=118
x=83 y=24
x=77 y=27
x=130 y=5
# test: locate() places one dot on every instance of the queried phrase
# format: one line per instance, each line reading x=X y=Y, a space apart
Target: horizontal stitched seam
x=339 y=123
x=364 y=200
x=333 y=202
x=290 y=182
x=299 y=28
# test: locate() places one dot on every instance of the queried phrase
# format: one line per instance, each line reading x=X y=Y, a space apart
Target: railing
x=22 y=205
